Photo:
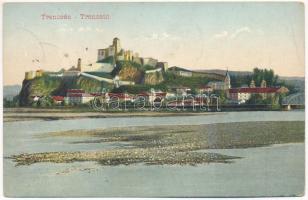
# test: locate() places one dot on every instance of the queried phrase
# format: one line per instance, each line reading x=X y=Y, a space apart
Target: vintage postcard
x=160 y=99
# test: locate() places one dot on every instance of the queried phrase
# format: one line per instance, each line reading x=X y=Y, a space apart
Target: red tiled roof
x=58 y=98
x=96 y=94
x=119 y=95
x=79 y=95
x=75 y=95
x=254 y=90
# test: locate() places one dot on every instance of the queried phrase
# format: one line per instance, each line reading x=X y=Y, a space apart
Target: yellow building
x=30 y=75
x=128 y=55
x=39 y=73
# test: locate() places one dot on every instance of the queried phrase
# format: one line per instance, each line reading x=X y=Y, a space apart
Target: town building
x=204 y=90
x=102 y=54
x=77 y=96
x=58 y=100
x=241 y=95
x=156 y=96
x=39 y=73
x=180 y=71
x=36 y=98
x=30 y=75
x=185 y=73
x=98 y=67
x=128 y=55
x=153 y=70
x=221 y=85
x=162 y=65
x=149 y=61
x=118 y=97
x=180 y=90
x=33 y=74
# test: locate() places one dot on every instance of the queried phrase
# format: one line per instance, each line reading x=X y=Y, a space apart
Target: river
x=277 y=170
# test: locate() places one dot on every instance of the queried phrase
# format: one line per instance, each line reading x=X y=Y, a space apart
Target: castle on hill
x=106 y=62
x=107 y=58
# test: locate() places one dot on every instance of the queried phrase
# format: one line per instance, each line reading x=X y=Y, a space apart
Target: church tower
x=227 y=80
x=252 y=84
x=263 y=84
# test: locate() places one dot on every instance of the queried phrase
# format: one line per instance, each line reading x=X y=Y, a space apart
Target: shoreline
x=51 y=114
x=29 y=114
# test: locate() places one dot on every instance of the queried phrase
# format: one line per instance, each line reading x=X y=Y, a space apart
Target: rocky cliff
x=153 y=78
x=130 y=73
x=40 y=86
x=54 y=86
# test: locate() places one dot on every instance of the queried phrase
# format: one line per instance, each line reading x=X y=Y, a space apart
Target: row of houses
x=79 y=96
x=241 y=95
x=236 y=95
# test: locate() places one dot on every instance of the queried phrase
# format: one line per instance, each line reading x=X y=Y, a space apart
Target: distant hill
x=9 y=91
x=292 y=78
x=223 y=72
x=176 y=68
x=298 y=82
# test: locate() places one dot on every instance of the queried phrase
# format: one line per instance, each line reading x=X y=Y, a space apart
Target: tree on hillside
x=268 y=75
x=239 y=81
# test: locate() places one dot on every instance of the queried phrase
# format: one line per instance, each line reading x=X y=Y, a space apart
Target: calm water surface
x=277 y=170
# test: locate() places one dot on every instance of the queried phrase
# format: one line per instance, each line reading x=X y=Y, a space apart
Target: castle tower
x=102 y=54
x=252 y=84
x=117 y=45
x=79 y=64
x=263 y=84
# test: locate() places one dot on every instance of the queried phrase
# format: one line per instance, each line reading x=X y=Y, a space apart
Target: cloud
x=222 y=34
x=234 y=34
x=161 y=36
x=240 y=31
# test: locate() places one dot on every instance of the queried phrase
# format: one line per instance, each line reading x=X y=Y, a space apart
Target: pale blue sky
x=238 y=36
